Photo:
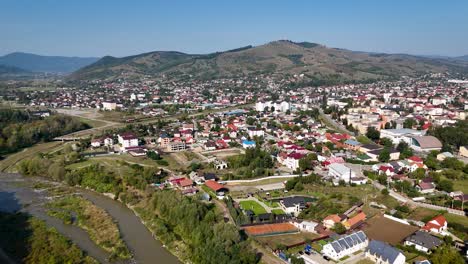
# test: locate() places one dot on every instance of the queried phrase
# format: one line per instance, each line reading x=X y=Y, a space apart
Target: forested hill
x=49 y=64
x=314 y=61
x=20 y=128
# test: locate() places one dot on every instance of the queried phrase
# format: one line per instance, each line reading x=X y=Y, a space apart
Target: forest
x=20 y=128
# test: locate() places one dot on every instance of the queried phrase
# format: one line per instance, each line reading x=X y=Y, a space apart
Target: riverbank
x=27 y=239
x=73 y=209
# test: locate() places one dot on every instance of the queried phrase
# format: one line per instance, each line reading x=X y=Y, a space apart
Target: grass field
x=254 y=206
x=10 y=162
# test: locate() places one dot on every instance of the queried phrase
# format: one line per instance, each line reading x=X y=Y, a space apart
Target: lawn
x=254 y=206
x=278 y=211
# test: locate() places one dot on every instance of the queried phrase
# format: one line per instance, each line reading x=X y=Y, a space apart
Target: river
x=16 y=193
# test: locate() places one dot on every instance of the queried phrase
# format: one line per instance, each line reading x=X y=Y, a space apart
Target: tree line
x=20 y=129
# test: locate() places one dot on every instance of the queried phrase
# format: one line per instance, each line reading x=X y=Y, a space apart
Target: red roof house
x=437 y=225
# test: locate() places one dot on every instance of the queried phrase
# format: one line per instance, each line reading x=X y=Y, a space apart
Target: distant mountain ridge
x=46 y=64
x=313 y=61
x=4 y=69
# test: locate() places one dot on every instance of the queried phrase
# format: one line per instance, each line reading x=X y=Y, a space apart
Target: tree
x=386 y=142
x=445 y=185
x=446 y=255
x=409 y=123
x=299 y=187
x=373 y=133
x=385 y=192
x=384 y=155
x=339 y=228
x=419 y=173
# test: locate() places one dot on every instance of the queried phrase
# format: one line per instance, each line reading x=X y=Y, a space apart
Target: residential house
x=345 y=246
x=423 y=241
x=436 y=225
x=306 y=226
x=355 y=221
x=425 y=187
x=352 y=144
x=185 y=184
x=128 y=140
x=293 y=205
x=292 y=160
x=381 y=252
x=331 y=220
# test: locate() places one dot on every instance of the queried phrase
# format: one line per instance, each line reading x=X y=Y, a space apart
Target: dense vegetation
x=255 y=162
x=452 y=137
x=20 y=129
x=28 y=240
x=208 y=238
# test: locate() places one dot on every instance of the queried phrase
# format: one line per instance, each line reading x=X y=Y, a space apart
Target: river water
x=16 y=194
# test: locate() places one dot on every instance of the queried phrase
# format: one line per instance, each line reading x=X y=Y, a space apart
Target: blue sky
x=120 y=28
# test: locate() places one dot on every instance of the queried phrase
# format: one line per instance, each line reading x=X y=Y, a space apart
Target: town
x=357 y=173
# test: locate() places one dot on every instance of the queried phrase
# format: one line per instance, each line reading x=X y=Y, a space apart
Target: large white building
x=277 y=107
x=345 y=245
x=340 y=172
x=109 y=106
x=128 y=140
x=404 y=134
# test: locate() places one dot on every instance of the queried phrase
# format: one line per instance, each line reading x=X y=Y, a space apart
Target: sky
x=121 y=28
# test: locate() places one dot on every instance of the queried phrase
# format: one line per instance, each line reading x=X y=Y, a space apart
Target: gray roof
x=383 y=251
x=424 y=239
x=348 y=241
x=293 y=201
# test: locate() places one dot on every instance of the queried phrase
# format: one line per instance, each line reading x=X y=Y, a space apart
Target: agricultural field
x=393 y=233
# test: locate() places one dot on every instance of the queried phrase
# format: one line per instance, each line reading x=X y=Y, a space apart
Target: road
x=409 y=201
x=109 y=124
x=335 y=124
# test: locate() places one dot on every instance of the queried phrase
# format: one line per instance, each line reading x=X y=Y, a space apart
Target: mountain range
x=310 y=60
x=44 y=64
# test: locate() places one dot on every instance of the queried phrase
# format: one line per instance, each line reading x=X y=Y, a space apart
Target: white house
x=437 y=225
x=423 y=241
x=345 y=245
x=306 y=226
x=340 y=172
x=292 y=160
x=404 y=134
x=381 y=252
x=293 y=205
x=256 y=132
x=128 y=140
